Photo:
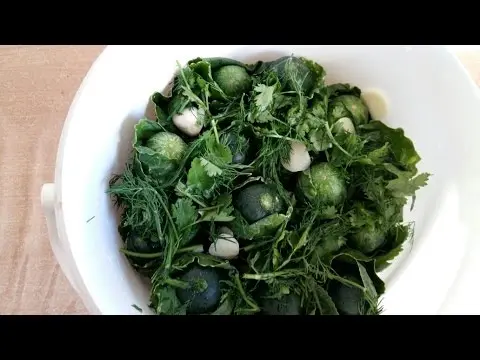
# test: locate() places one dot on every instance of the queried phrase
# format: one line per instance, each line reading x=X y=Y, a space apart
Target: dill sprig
x=144 y=204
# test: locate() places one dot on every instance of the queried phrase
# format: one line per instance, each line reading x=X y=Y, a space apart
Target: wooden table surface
x=37 y=85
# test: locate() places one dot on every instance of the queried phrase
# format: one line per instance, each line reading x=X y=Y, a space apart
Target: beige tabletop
x=37 y=85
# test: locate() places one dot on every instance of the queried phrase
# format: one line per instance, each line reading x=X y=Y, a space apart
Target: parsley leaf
x=405 y=184
x=264 y=97
x=185 y=215
x=198 y=180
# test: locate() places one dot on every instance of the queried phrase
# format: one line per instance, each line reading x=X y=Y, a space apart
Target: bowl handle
x=59 y=246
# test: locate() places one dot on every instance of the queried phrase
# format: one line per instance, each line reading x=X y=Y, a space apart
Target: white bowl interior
x=97 y=141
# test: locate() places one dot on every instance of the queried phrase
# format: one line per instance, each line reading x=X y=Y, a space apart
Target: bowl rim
x=85 y=295
x=107 y=53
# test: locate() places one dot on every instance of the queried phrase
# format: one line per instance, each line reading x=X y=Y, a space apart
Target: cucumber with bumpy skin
x=233 y=80
x=257 y=202
x=324 y=184
x=203 y=292
x=368 y=238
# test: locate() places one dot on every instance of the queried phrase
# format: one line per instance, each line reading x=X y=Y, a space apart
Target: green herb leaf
x=204 y=260
x=144 y=130
x=264 y=97
x=349 y=106
x=367 y=282
x=220 y=212
x=162 y=112
x=324 y=304
x=401 y=147
x=218 y=153
x=320 y=139
x=165 y=302
x=405 y=184
x=185 y=215
x=338 y=89
x=225 y=308
x=401 y=235
x=266 y=226
x=198 y=179
x=211 y=169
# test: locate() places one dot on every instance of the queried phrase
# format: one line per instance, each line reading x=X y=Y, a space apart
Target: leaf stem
x=244 y=295
x=267 y=276
x=256 y=245
x=191 y=197
x=215 y=131
x=142 y=255
x=193 y=248
x=172 y=246
x=279 y=137
x=177 y=283
x=334 y=142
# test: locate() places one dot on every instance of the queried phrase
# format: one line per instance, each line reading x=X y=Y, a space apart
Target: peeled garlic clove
x=377 y=103
x=226 y=247
x=190 y=121
x=299 y=158
x=344 y=124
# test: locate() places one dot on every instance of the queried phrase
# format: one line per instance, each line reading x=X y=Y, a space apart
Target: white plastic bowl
x=432 y=98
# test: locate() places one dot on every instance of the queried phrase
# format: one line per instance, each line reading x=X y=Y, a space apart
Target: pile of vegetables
x=259 y=189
